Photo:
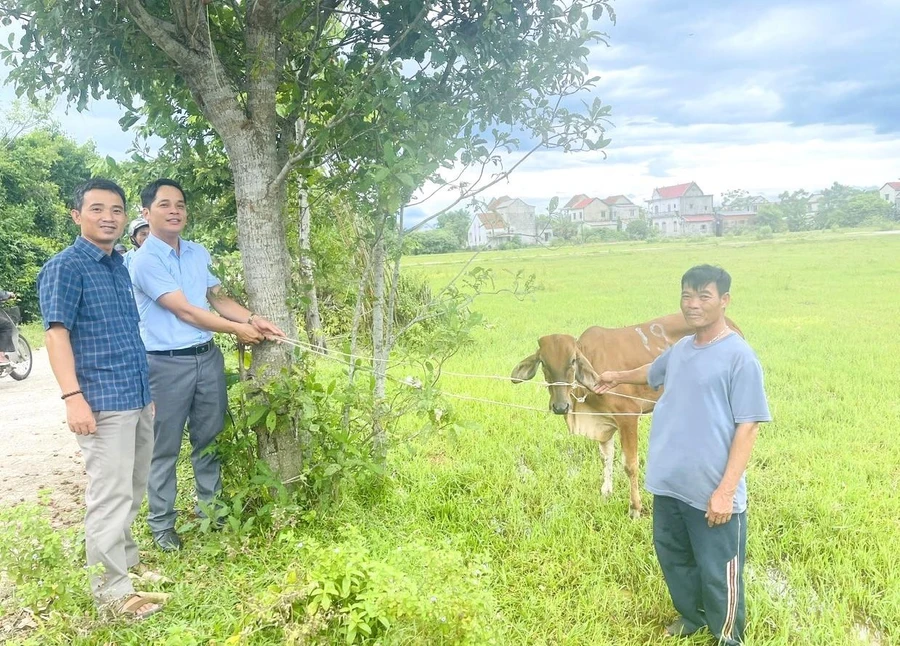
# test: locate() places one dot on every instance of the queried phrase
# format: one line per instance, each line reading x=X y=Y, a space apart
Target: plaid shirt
x=89 y=292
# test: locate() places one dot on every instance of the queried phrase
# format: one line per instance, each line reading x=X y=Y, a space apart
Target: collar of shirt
x=159 y=247
x=92 y=251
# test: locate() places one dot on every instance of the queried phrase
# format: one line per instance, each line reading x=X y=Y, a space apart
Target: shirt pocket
x=98 y=297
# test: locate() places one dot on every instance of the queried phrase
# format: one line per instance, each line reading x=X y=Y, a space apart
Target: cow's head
x=563 y=364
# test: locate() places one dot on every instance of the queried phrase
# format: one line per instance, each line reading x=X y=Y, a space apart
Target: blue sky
x=766 y=95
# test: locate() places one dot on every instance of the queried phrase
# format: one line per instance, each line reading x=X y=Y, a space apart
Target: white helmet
x=136 y=224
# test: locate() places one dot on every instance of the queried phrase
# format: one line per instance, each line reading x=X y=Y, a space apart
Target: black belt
x=184 y=352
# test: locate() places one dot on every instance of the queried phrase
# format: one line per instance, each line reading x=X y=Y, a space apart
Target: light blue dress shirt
x=157 y=270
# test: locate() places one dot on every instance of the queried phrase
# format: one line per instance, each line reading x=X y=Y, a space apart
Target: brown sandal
x=140 y=605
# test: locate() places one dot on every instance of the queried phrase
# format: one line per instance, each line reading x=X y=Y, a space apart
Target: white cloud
x=790 y=28
x=742 y=102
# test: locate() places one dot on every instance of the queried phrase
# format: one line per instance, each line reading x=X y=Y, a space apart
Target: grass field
x=506 y=512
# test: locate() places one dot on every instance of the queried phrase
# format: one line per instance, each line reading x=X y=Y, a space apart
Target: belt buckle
x=203 y=349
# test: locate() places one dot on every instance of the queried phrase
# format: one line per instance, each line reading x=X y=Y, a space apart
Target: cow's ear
x=584 y=371
x=527 y=368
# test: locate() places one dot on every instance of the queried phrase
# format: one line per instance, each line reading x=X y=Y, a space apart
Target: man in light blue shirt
x=174 y=290
x=703 y=430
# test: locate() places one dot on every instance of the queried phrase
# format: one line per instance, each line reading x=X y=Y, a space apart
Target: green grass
x=513 y=489
x=34 y=334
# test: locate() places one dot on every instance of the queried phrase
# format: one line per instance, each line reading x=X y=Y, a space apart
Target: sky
x=765 y=96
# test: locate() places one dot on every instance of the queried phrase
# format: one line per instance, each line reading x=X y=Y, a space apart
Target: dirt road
x=37 y=450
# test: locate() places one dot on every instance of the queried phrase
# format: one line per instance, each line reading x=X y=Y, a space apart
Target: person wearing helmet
x=138 y=231
x=7 y=329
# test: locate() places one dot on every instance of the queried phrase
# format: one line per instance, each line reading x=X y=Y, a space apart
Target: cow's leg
x=607 y=450
x=628 y=437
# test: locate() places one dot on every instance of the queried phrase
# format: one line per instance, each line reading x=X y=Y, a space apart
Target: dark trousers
x=185 y=389
x=6 y=333
x=703 y=567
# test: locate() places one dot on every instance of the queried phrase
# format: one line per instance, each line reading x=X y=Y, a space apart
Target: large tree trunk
x=261 y=237
x=242 y=111
x=307 y=271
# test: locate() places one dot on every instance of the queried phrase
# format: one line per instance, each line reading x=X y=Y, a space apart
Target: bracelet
x=71 y=394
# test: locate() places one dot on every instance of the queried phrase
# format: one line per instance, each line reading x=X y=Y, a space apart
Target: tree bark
x=266 y=262
x=307 y=271
x=378 y=341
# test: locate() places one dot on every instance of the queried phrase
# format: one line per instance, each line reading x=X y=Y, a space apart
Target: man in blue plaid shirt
x=98 y=358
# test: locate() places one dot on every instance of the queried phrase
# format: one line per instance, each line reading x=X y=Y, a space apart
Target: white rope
x=573 y=384
x=414 y=384
x=326 y=353
x=365 y=359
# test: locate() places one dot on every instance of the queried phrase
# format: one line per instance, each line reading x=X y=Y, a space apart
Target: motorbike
x=20 y=360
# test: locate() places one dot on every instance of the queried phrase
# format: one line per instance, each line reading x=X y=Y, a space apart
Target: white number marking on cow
x=659 y=331
x=644 y=339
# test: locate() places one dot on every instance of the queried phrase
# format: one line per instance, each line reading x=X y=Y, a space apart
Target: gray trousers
x=117 y=461
x=185 y=390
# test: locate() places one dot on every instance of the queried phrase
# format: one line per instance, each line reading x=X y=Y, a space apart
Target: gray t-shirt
x=708 y=391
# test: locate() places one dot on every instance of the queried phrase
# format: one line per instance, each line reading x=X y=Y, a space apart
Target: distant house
x=669 y=207
x=891 y=193
x=730 y=220
x=589 y=212
x=668 y=224
x=506 y=219
x=698 y=225
x=623 y=209
x=487 y=230
x=682 y=199
x=814 y=203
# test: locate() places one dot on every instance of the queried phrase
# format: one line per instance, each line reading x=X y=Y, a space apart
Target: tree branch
x=335 y=121
x=162 y=33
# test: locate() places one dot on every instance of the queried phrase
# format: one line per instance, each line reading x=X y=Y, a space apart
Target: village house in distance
x=682 y=210
x=685 y=210
x=891 y=193
x=506 y=219
x=614 y=212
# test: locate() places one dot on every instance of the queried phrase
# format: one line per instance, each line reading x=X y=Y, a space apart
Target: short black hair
x=702 y=275
x=151 y=189
x=96 y=184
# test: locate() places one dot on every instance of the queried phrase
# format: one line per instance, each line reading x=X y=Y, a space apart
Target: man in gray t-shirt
x=703 y=430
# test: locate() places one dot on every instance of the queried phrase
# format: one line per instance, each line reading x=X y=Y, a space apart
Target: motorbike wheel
x=23 y=368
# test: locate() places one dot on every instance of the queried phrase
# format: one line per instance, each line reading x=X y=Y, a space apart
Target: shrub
x=346 y=593
x=764 y=232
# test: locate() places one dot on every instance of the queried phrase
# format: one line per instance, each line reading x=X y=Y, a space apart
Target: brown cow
x=566 y=361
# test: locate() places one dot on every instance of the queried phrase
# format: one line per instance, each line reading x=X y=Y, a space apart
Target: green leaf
x=380 y=174
x=256 y=414
x=129 y=120
x=271 y=421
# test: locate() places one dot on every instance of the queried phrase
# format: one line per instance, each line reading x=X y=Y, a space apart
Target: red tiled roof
x=698 y=218
x=894 y=185
x=668 y=192
x=575 y=200
x=492 y=220
x=582 y=203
